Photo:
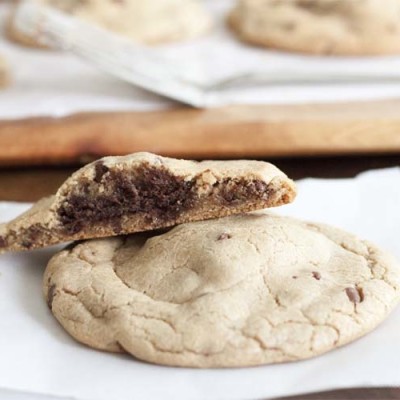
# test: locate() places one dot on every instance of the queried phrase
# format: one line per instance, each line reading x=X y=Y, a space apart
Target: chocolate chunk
x=294 y=277
x=50 y=295
x=3 y=242
x=100 y=171
x=224 y=236
x=316 y=275
x=355 y=295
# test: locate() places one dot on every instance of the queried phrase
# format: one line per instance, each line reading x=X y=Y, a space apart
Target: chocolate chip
x=100 y=171
x=316 y=275
x=50 y=295
x=224 y=236
x=3 y=242
x=294 y=277
x=355 y=295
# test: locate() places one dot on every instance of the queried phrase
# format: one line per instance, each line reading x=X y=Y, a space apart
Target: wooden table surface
x=231 y=131
x=29 y=184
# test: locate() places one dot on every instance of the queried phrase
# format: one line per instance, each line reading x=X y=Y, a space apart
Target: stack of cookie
x=175 y=267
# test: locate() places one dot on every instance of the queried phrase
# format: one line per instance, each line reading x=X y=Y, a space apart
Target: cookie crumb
x=316 y=275
x=355 y=295
x=224 y=236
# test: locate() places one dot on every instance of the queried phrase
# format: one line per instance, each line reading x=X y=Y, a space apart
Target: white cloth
x=47 y=83
x=36 y=355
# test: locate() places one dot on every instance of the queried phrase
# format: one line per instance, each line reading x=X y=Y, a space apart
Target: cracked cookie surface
x=143 y=191
x=237 y=291
x=342 y=27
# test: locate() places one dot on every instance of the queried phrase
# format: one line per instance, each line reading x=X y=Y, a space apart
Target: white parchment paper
x=37 y=356
x=47 y=83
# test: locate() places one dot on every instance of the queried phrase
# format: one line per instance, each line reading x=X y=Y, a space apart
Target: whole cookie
x=342 y=27
x=236 y=291
x=143 y=21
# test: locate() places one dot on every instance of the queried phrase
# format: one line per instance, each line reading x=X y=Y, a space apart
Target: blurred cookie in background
x=337 y=27
x=148 y=22
x=4 y=73
x=15 y=35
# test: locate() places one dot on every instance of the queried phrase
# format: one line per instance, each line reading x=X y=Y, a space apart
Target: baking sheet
x=47 y=83
x=38 y=356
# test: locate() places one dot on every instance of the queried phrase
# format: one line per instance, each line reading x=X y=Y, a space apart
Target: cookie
x=4 y=77
x=142 y=191
x=341 y=27
x=15 y=35
x=237 y=291
x=148 y=22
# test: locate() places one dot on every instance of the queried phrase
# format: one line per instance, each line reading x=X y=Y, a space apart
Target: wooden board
x=235 y=131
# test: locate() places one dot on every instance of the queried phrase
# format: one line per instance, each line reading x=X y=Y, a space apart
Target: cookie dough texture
x=143 y=21
x=4 y=74
x=342 y=27
x=142 y=191
x=238 y=291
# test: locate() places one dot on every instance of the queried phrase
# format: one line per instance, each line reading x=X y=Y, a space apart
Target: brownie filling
x=152 y=191
x=3 y=242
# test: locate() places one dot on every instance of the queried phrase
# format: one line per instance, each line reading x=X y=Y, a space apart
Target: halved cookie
x=238 y=291
x=142 y=191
